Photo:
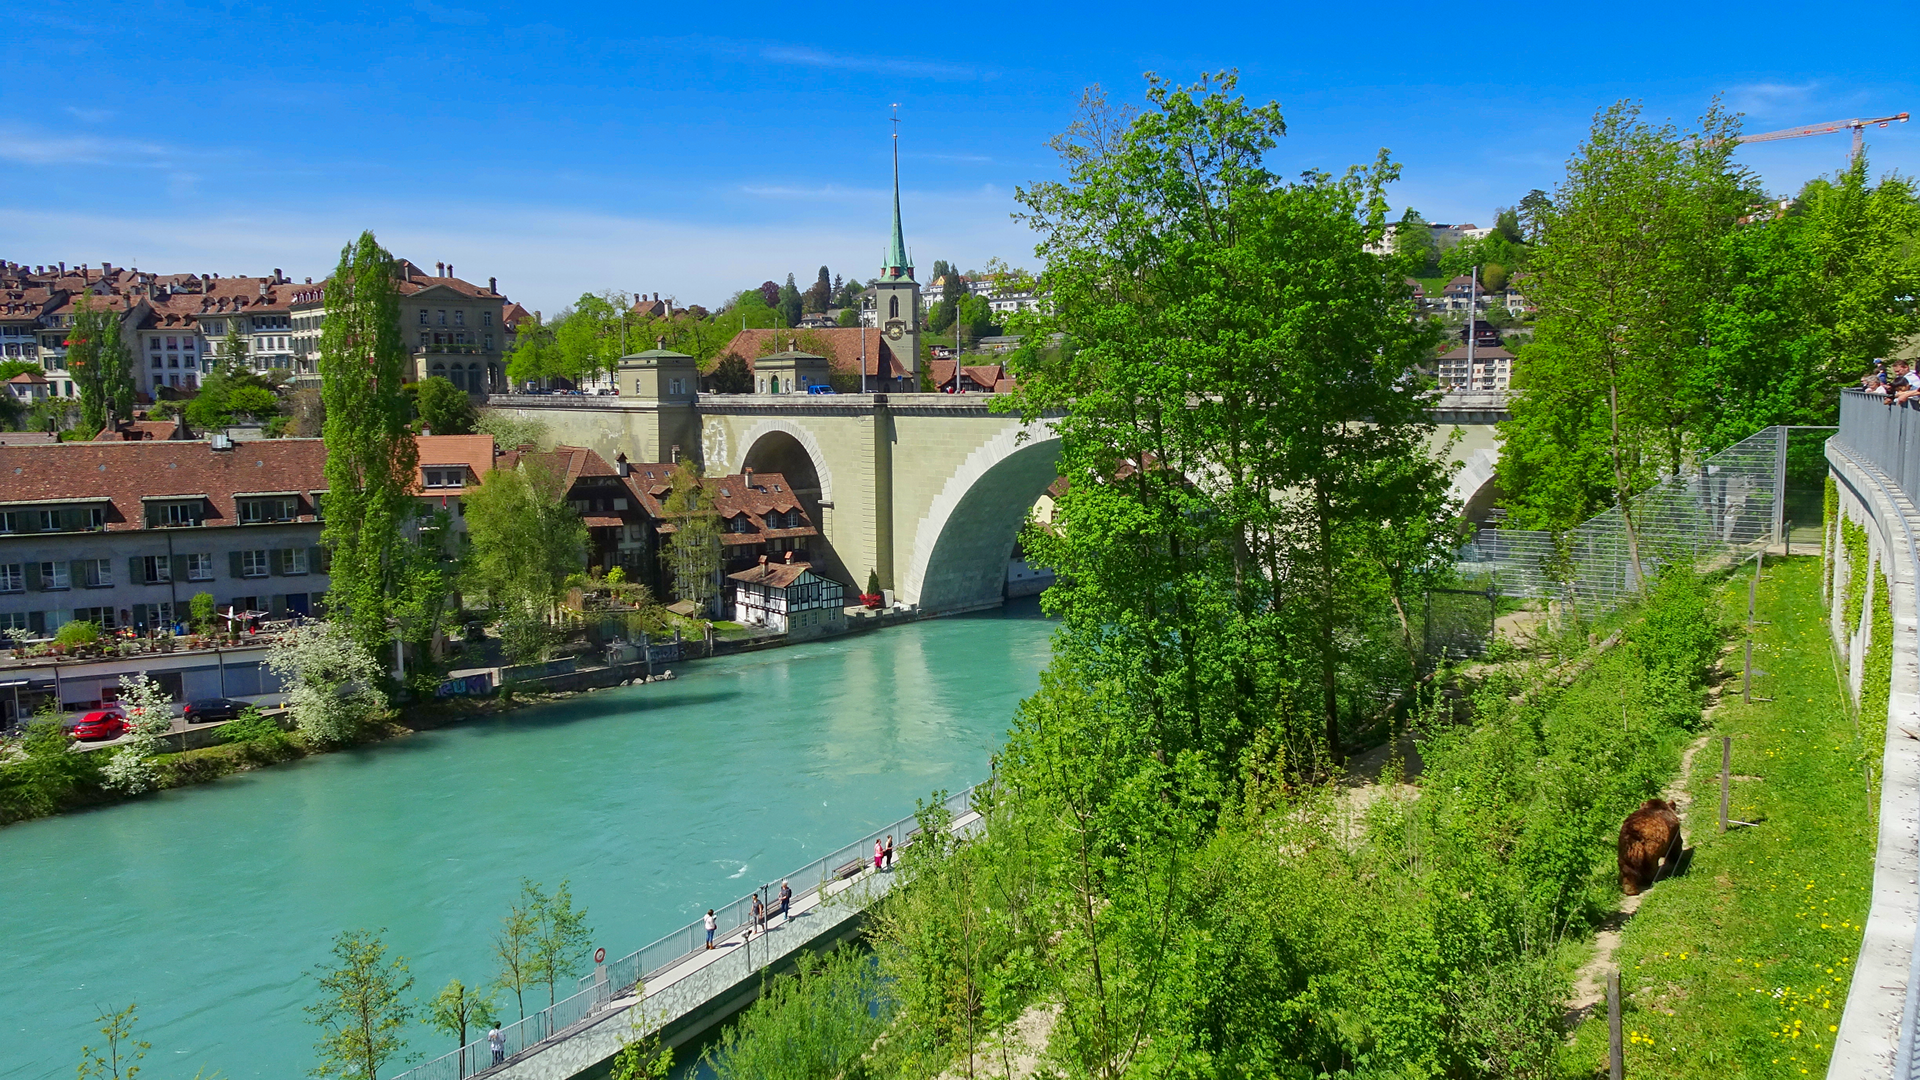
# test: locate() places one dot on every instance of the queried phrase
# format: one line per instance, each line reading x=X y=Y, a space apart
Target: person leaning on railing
x=1905 y=383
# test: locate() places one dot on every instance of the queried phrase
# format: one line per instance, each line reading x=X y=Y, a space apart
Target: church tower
x=896 y=295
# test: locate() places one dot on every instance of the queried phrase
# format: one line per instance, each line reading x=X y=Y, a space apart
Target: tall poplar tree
x=101 y=363
x=691 y=554
x=371 y=457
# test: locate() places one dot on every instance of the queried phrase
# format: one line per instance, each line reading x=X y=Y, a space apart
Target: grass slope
x=1740 y=968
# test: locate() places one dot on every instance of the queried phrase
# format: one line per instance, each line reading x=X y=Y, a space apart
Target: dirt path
x=1590 y=982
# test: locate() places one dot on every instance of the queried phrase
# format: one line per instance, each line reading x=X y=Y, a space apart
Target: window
x=156 y=569
x=489 y=341
x=893 y=307
x=443 y=478
x=200 y=567
x=256 y=511
x=425 y=338
x=95 y=518
x=13 y=621
x=99 y=616
x=153 y=344
x=486 y=318
x=673 y=386
x=459 y=318
x=739 y=524
x=13 y=577
x=49 y=521
x=293 y=560
x=423 y=316
x=53 y=575
x=9 y=521
x=156 y=360
x=96 y=573
x=443 y=316
x=253 y=563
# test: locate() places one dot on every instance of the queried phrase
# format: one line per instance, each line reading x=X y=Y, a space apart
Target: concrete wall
x=1881 y=993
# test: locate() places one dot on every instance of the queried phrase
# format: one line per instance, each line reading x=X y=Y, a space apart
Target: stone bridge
x=928 y=491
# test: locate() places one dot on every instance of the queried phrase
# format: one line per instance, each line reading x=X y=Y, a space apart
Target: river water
x=208 y=905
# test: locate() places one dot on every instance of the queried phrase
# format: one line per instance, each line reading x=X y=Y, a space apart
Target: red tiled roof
x=475 y=452
x=122 y=472
x=861 y=350
x=774 y=575
x=139 y=430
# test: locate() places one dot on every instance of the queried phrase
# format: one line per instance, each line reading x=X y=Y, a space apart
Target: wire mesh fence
x=1725 y=504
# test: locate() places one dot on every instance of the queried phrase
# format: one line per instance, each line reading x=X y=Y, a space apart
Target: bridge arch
x=779 y=445
x=962 y=543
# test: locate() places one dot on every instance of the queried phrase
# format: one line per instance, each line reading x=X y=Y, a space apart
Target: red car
x=99 y=724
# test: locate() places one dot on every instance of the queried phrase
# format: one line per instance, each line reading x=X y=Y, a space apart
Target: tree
x=691 y=554
x=458 y=1007
x=444 y=408
x=362 y=1010
x=372 y=462
x=1506 y=222
x=201 y=610
x=101 y=364
x=230 y=392
x=1494 y=277
x=975 y=316
x=849 y=316
x=510 y=431
x=561 y=935
x=819 y=295
x=1535 y=208
x=334 y=682
x=532 y=355
x=515 y=944
x=1413 y=242
x=732 y=375
x=1239 y=391
x=1623 y=281
x=770 y=295
x=149 y=712
x=10 y=368
x=234 y=351
x=120 y=1059
x=789 y=305
x=525 y=541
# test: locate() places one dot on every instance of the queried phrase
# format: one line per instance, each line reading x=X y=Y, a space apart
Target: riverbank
x=214 y=758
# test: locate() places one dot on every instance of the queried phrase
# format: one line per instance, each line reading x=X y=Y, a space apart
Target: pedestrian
x=786 y=899
x=889 y=854
x=711 y=923
x=759 y=913
x=879 y=853
x=497 y=1043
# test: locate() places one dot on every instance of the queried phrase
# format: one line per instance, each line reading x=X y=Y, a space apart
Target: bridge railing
x=1886 y=434
x=618 y=978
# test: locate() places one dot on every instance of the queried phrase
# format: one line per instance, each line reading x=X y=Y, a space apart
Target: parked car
x=207 y=710
x=99 y=724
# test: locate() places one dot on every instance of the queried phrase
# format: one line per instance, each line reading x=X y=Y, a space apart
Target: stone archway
x=791 y=450
x=962 y=544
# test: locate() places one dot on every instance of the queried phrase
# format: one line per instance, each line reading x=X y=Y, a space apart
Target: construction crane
x=1858 y=126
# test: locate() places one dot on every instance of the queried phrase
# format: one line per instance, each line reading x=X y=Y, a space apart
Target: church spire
x=897 y=264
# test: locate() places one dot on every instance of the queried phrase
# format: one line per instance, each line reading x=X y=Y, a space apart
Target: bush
x=78 y=632
x=201 y=608
x=254 y=727
x=45 y=777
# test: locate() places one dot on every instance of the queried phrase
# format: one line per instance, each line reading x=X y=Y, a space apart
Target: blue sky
x=693 y=151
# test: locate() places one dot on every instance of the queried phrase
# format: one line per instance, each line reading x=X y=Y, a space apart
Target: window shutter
x=76 y=574
x=317 y=560
x=277 y=562
x=37 y=621
x=233 y=563
x=179 y=568
x=33 y=576
x=134 y=574
x=139 y=615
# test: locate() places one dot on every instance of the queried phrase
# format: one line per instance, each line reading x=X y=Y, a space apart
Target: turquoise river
x=208 y=906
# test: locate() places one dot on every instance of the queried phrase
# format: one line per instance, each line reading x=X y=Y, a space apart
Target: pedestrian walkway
x=690 y=992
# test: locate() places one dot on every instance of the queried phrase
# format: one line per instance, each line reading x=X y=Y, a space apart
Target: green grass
x=1740 y=968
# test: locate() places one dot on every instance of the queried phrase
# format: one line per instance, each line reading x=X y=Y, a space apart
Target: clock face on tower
x=896 y=329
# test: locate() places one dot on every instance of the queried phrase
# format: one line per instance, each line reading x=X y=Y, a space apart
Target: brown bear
x=1648 y=836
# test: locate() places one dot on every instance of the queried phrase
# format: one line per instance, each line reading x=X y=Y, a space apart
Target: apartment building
x=455 y=329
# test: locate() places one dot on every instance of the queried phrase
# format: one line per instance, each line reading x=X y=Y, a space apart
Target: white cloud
x=90 y=116
x=924 y=69
x=1768 y=99
x=30 y=146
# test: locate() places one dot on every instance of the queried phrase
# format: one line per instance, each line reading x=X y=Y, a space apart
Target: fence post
x=1779 y=482
x=1616 y=1048
x=1727 y=767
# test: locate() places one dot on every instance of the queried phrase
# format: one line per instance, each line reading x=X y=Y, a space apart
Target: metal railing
x=1727 y=503
x=1885 y=434
x=618 y=978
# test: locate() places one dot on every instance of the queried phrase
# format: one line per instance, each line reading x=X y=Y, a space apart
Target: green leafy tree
x=41 y=775
x=818 y=295
x=101 y=364
x=228 y=393
x=532 y=355
x=525 y=542
x=691 y=553
x=732 y=375
x=849 y=316
x=372 y=461
x=444 y=408
x=1506 y=222
x=1623 y=281
x=1219 y=505
x=362 y=1011
x=201 y=610
x=458 y=1008
x=790 y=306
x=509 y=430
x=1534 y=210
x=1413 y=242
x=333 y=681
x=515 y=946
x=234 y=350
x=10 y=368
x=561 y=935
x=120 y=1058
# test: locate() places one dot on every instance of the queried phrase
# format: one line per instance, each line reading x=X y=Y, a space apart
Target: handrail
x=604 y=986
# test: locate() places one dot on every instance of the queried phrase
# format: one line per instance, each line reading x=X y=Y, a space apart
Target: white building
x=790 y=598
